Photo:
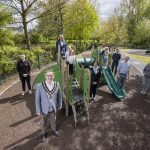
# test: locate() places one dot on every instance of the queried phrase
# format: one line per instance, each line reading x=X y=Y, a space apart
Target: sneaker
x=30 y=92
x=55 y=133
x=142 y=92
x=23 y=93
x=94 y=98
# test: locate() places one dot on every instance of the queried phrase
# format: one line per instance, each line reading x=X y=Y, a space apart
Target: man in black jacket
x=116 y=57
x=23 y=67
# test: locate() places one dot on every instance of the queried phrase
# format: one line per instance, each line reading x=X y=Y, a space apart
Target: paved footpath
x=113 y=125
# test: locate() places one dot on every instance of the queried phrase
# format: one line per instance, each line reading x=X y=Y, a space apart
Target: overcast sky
x=107 y=7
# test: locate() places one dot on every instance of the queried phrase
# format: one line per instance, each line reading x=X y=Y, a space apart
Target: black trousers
x=114 y=66
x=27 y=80
x=70 y=69
x=93 y=90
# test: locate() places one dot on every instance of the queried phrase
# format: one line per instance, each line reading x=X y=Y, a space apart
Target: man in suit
x=48 y=101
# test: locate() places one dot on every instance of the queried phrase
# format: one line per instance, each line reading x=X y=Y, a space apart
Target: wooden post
x=66 y=91
x=92 y=47
x=58 y=57
x=98 y=54
x=81 y=77
x=89 y=86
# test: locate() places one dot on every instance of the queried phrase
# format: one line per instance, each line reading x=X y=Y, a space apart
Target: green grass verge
x=140 y=58
x=41 y=76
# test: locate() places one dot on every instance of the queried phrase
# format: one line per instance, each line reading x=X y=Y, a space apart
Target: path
x=113 y=124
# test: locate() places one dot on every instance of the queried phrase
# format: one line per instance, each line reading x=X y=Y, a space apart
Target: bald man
x=48 y=101
x=123 y=71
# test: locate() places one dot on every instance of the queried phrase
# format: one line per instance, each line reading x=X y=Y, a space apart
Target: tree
x=133 y=12
x=142 y=34
x=53 y=23
x=81 y=20
x=27 y=10
x=5 y=32
x=112 y=32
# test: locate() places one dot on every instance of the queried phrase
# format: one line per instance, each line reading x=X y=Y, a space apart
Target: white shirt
x=95 y=69
x=51 y=101
x=106 y=53
x=71 y=59
x=50 y=86
x=123 y=67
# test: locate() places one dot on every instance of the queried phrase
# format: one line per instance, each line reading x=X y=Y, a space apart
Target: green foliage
x=18 y=39
x=142 y=34
x=81 y=20
x=112 y=32
x=6 y=37
x=134 y=12
x=35 y=38
x=10 y=55
x=5 y=33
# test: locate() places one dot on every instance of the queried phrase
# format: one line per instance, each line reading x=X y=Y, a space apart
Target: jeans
x=122 y=79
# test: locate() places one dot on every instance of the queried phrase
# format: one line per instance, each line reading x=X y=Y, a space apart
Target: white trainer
x=30 y=92
x=23 y=93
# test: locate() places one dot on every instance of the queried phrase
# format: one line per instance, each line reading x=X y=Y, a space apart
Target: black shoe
x=44 y=136
x=55 y=133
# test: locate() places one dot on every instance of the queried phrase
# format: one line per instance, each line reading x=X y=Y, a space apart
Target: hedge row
x=10 y=55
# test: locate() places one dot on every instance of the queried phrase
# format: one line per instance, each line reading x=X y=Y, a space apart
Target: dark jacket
x=23 y=67
x=116 y=57
x=63 y=48
x=95 y=77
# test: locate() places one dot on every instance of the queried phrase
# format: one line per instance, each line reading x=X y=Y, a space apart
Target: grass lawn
x=141 y=58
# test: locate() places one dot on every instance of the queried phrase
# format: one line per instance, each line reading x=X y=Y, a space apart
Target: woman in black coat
x=95 y=77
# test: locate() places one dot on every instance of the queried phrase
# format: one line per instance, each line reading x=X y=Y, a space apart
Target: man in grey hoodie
x=146 y=79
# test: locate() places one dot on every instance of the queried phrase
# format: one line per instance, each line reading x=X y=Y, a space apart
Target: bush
x=10 y=55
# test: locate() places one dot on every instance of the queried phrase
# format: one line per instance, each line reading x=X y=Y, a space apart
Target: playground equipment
x=107 y=75
x=75 y=88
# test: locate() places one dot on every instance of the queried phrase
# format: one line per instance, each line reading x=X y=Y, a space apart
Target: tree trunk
x=61 y=18
x=24 y=15
x=26 y=35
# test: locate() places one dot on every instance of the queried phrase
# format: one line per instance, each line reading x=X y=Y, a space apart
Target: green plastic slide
x=112 y=83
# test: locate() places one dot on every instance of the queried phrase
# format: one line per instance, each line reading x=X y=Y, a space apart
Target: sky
x=107 y=7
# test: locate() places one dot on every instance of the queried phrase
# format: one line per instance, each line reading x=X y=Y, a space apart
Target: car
x=147 y=52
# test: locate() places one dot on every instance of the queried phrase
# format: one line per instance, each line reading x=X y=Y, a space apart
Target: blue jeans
x=122 y=79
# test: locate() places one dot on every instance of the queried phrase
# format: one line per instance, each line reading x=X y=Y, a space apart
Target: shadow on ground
x=114 y=125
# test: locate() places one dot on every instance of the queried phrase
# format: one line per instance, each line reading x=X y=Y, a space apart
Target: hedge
x=10 y=55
